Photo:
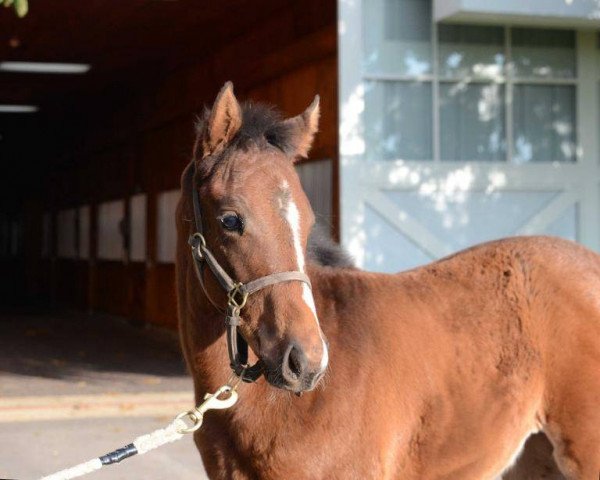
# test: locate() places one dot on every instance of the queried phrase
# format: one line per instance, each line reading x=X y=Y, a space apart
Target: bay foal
x=440 y=372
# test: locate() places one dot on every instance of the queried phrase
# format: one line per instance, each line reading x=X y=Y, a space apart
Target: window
x=543 y=53
x=166 y=234
x=83 y=239
x=544 y=123
x=66 y=224
x=398 y=37
x=137 y=228
x=465 y=92
x=470 y=52
x=397 y=122
x=471 y=95
x=544 y=95
x=472 y=121
x=110 y=237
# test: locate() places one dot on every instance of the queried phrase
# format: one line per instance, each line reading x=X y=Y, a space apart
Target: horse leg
x=573 y=424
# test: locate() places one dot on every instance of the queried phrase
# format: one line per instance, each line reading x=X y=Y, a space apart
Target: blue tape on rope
x=119 y=454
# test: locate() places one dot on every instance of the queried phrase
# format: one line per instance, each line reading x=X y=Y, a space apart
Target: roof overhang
x=543 y=13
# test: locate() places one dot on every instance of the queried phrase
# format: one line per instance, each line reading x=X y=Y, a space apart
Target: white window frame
x=507 y=79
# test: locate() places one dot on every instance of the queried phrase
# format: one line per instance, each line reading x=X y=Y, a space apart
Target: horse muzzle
x=295 y=371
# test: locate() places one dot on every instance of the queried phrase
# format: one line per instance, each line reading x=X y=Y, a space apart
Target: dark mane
x=261 y=124
x=322 y=250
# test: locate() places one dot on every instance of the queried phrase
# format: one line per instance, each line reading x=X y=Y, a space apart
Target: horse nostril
x=294 y=363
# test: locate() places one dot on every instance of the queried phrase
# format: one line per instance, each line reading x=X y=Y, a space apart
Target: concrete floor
x=75 y=386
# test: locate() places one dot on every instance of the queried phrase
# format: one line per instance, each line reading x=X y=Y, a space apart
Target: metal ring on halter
x=237 y=303
x=196 y=241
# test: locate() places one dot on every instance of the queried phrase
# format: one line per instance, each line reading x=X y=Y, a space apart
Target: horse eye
x=232 y=222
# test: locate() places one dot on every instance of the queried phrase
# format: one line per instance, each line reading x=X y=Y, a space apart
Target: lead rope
x=184 y=423
x=140 y=445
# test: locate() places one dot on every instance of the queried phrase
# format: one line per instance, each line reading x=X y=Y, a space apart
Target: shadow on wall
x=451 y=210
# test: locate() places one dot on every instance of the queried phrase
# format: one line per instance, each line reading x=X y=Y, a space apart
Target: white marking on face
x=292 y=216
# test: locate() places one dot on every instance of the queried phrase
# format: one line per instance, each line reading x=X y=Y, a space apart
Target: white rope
x=77 y=471
x=143 y=444
x=161 y=437
x=171 y=433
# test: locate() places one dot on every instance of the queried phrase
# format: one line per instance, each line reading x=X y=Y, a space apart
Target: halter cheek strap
x=237 y=292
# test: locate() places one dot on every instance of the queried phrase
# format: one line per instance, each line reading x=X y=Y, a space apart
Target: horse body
x=441 y=372
x=458 y=361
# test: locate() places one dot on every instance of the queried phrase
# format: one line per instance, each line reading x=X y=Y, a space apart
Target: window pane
x=84 y=231
x=66 y=226
x=137 y=228
x=166 y=234
x=544 y=123
x=397 y=35
x=471 y=51
x=110 y=237
x=543 y=53
x=398 y=122
x=472 y=122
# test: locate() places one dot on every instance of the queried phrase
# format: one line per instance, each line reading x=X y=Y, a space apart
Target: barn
x=444 y=123
x=97 y=123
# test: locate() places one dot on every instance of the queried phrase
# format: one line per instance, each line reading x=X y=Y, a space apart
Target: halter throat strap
x=237 y=292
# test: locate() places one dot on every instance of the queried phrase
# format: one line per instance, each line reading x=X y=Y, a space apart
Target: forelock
x=261 y=125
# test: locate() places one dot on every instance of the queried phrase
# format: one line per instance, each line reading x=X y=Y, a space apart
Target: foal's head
x=257 y=220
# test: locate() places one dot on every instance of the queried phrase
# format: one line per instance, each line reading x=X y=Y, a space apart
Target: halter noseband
x=237 y=292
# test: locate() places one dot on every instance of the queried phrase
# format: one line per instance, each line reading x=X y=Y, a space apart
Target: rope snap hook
x=212 y=401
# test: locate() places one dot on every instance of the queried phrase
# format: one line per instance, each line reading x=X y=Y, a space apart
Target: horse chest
x=313 y=450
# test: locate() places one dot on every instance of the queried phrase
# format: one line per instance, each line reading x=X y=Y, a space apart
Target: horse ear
x=304 y=127
x=223 y=122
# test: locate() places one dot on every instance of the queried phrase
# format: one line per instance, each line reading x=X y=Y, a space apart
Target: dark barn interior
x=88 y=180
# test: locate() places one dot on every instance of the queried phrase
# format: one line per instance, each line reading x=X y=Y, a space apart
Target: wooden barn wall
x=142 y=146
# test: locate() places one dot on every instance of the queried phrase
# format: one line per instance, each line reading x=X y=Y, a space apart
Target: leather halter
x=237 y=292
